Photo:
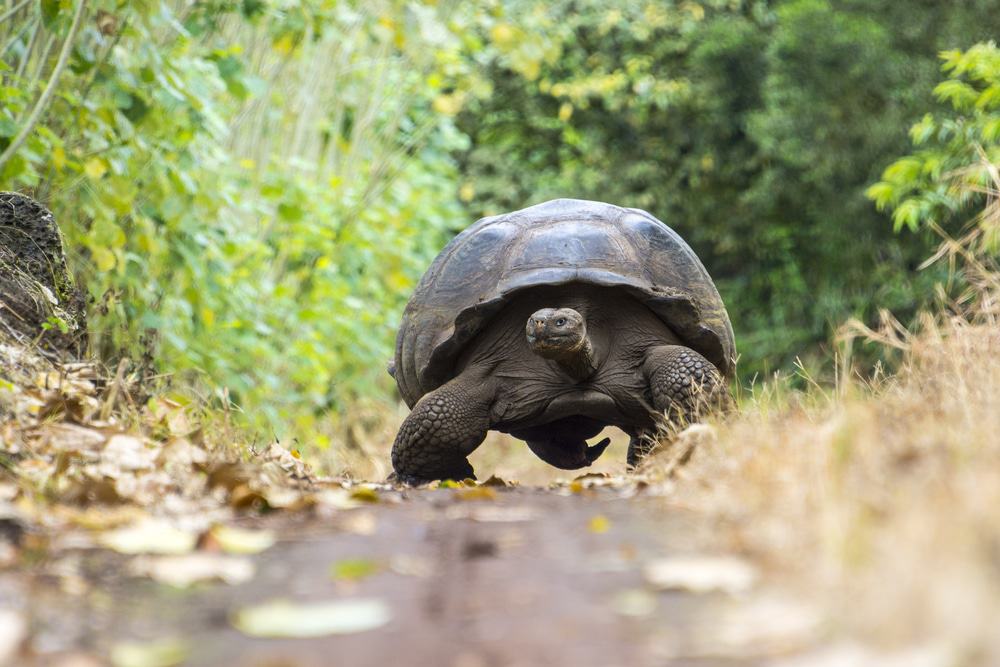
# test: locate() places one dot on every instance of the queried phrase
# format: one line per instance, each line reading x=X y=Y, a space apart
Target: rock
x=38 y=299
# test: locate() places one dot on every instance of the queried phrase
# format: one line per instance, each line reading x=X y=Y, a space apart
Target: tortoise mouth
x=563 y=342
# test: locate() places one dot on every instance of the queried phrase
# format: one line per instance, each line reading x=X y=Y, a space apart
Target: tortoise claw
x=594 y=451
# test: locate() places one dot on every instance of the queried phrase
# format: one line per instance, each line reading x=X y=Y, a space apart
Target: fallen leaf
x=411 y=566
x=281 y=618
x=599 y=524
x=851 y=654
x=128 y=453
x=364 y=494
x=159 y=653
x=183 y=571
x=13 y=632
x=493 y=513
x=63 y=436
x=152 y=536
x=100 y=518
x=338 y=499
x=354 y=569
x=476 y=493
x=182 y=452
x=634 y=602
x=700 y=574
x=235 y=540
x=287 y=499
x=76 y=660
x=762 y=626
x=496 y=481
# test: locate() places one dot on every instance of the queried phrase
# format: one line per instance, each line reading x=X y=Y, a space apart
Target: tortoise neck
x=578 y=363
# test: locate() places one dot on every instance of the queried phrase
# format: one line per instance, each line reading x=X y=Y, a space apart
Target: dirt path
x=470 y=578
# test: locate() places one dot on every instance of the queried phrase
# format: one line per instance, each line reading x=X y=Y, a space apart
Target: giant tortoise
x=551 y=323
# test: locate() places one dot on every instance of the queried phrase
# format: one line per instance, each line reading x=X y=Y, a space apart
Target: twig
x=50 y=87
x=116 y=386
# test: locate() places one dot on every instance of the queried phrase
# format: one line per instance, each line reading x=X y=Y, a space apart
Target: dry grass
x=882 y=502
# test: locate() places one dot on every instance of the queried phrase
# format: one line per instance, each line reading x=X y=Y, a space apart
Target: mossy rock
x=39 y=303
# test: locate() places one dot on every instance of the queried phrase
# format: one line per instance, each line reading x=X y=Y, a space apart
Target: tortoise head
x=556 y=333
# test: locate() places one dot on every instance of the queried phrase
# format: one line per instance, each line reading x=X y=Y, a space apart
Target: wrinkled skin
x=553 y=368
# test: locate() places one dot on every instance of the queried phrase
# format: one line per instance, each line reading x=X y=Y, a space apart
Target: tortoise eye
x=561 y=321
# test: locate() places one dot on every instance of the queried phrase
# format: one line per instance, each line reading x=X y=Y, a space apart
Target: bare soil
x=518 y=576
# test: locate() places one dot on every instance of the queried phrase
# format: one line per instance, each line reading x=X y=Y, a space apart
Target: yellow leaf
x=502 y=34
x=95 y=167
x=59 y=158
x=208 y=316
x=449 y=105
x=284 y=45
x=364 y=494
x=118 y=239
x=599 y=524
x=104 y=259
x=399 y=280
x=696 y=11
x=247 y=163
x=466 y=192
x=565 y=111
x=476 y=493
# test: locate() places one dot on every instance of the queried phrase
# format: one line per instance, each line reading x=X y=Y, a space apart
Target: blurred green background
x=250 y=189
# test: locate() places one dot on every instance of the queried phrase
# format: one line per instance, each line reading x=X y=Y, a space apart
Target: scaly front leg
x=683 y=384
x=444 y=427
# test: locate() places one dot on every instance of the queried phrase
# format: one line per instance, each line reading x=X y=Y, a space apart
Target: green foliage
x=752 y=128
x=219 y=206
x=955 y=165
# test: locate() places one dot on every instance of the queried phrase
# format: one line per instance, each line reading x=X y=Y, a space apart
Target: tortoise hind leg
x=443 y=428
x=683 y=384
x=640 y=444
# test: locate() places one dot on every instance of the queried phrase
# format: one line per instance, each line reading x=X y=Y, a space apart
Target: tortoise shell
x=554 y=243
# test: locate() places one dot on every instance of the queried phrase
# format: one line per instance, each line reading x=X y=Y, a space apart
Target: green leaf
x=160 y=653
x=354 y=569
x=922 y=131
x=907 y=214
x=281 y=618
x=961 y=95
x=882 y=193
x=905 y=170
x=50 y=12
